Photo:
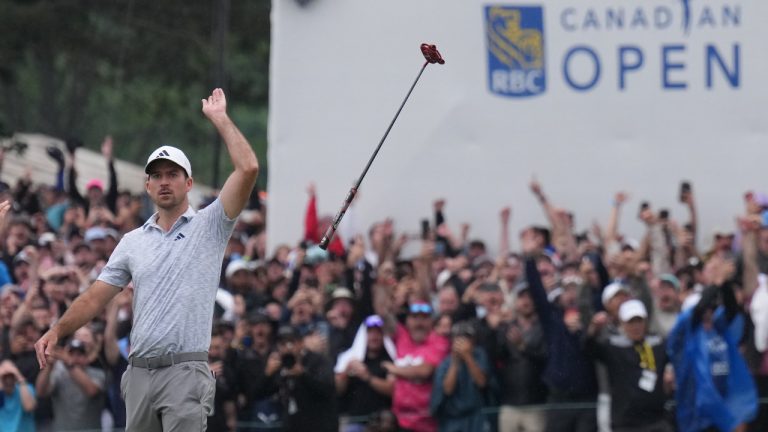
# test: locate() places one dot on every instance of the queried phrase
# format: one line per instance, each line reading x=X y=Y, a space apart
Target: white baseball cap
x=235 y=266
x=611 y=290
x=632 y=309
x=172 y=154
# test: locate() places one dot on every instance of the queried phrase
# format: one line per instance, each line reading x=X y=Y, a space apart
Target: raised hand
x=505 y=214
x=620 y=198
x=536 y=187
x=44 y=348
x=106 y=147
x=216 y=105
x=4 y=207
x=439 y=204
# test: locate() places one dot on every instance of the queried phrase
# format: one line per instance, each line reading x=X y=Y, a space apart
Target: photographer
x=75 y=387
x=304 y=381
x=18 y=399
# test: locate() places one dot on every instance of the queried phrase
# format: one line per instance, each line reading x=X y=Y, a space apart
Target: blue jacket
x=699 y=403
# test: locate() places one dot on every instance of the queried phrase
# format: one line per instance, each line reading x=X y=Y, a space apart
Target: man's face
x=216 y=350
x=570 y=296
x=343 y=310
x=375 y=339
x=9 y=382
x=635 y=329
x=95 y=194
x=724 y=243
x=21 y=271
x=260 y=333
x=41 y=315
x=448 y=300
x=302 y=312
x=419 y=326
x=84 y=257
x=55 y=288
x=512 y=270
x=167 y=185
x=18 y=235
x=239 y=281
x=524 y=304
x=548 y=273
x=667 y=297
x=492 y=300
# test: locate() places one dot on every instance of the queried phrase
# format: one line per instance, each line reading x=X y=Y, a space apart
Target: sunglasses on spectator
x=374 y=321
x=420 y=308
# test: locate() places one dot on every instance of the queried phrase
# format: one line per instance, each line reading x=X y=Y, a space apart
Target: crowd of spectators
x=567 y=331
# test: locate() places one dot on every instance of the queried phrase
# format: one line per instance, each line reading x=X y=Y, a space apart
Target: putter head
x=431 y=54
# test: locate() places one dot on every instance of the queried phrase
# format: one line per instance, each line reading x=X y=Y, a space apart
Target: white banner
x=590 y=96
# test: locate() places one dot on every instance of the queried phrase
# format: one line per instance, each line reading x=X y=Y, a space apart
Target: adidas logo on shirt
x=179 y=237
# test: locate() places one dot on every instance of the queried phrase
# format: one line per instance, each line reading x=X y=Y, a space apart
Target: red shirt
x=410 y=402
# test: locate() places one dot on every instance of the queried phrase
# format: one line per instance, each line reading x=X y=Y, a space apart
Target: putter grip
x=335 y=224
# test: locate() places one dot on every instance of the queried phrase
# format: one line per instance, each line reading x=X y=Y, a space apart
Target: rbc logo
x=515 y=37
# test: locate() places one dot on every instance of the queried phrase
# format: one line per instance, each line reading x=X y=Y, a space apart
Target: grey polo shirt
x=175 y=275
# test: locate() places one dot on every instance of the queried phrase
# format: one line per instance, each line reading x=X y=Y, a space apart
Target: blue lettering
x=639 y=19
x=625 y=65
x=662 y=17
x=595 y=63
x=732 y=75
x=732 y=15
x=590 y=20
x=564 y=19
x=706 y=18
x=667 y=65
x=614 y=19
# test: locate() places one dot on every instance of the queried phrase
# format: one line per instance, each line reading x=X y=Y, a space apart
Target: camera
x=685 y=190
x=425 y=229
x=288 y=360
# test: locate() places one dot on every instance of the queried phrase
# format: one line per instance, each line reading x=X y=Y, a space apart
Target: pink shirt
x=410 y=402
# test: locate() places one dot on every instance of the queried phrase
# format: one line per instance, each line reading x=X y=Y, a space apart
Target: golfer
x=174 y=261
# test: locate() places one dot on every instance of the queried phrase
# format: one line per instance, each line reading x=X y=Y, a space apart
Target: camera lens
x=288 y=360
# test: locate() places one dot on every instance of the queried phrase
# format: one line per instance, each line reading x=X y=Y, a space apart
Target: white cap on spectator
x=632 y=309
x=611 y=290
x=95 y=233
x=235 y=266
x=172 y=154
x=46 y=239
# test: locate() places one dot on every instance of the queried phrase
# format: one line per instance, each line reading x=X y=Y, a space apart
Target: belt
x=167 y=360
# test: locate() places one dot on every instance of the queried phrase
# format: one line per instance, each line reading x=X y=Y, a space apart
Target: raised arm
x=687 y=199
x=111 y=198
x=83 y=309
x=237 y=189
x=504 y=247
x=550 y=211
x=612 y=231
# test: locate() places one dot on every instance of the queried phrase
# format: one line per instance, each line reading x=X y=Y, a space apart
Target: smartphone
x=424 y=229
x=685 y=190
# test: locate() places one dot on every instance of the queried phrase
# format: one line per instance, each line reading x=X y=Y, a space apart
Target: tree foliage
x=135 y=69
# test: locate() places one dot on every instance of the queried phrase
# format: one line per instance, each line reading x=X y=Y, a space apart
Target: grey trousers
x=176 y=398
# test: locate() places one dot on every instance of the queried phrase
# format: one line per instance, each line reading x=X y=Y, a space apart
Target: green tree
x=135 y=69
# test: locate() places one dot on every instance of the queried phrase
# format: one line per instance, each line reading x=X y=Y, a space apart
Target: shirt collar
x=186 y=217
